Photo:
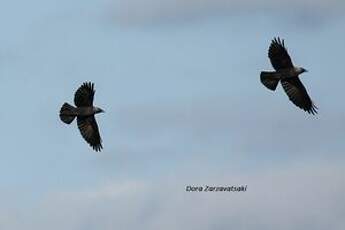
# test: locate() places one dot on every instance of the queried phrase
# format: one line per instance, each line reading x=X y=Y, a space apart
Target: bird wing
x=89 y=130
x=298 y=94
x=84 y=95
x=278 y=55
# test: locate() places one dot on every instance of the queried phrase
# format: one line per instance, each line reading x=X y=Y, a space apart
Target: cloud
x=211 y=125
x=307 y=195
x=136 y=11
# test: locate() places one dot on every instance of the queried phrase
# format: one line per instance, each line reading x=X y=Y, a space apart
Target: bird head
x=99 y=110
x=302 y=70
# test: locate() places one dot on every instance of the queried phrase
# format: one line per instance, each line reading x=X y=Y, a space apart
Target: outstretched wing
x=89 y=130
x=84 y=95
x=298 y=94
x=278 y=55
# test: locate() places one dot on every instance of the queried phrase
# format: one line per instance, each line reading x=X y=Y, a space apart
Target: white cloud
x=137 y=11
x=307 y=195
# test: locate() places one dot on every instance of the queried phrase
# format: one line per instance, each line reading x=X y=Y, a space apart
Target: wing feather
x=89 y=130
x=298 y=94
x=278 y=55
x=84 y=95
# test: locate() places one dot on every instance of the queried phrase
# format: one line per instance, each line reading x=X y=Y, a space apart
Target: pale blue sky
x=184 y=105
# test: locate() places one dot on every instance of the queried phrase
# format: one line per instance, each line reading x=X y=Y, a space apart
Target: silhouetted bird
x=84 y=112
x=287 y=74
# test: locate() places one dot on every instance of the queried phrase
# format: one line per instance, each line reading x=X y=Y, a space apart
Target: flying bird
x=85 y=113
x=288 y=75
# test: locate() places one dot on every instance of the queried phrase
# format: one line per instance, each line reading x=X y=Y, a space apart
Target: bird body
x=284 y=73
x=80 y=111
x=288 y=74
x=87 y=111
x=84 y=112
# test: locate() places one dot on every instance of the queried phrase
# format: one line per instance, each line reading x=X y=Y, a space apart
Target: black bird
x=84 y=111
x=287 y=74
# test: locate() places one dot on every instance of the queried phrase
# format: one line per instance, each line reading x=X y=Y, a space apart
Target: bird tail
x=270 y=79
x=67 y=113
